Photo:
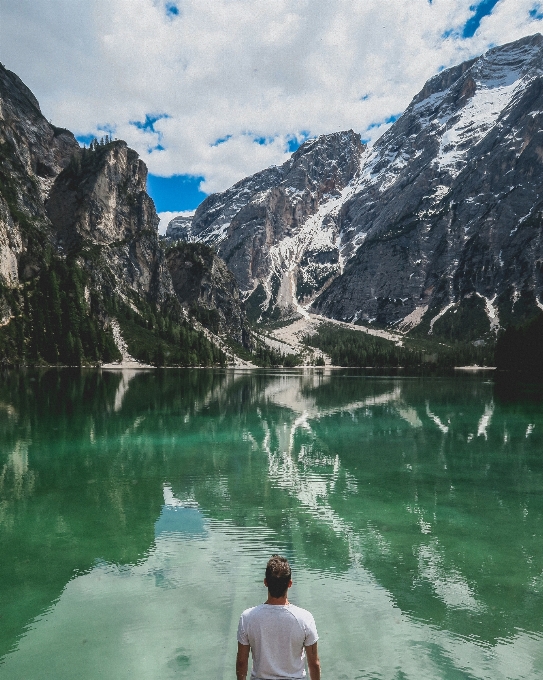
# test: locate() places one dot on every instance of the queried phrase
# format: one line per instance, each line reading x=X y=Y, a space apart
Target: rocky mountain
x=81 y=265
x=32 y=154
x=278 y=230
x=447 y=208
x=208 y=290
x=101 y=214
x=438 y=225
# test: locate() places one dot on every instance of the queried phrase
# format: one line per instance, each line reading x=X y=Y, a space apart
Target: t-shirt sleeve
x=243 y=638
x=311 y=635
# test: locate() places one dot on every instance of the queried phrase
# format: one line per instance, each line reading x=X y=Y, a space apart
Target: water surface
x=137 y=511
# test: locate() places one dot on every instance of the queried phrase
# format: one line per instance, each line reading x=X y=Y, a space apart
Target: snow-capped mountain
x=278 y=230
x=447 y=206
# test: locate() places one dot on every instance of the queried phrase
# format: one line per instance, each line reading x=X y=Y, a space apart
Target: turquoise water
x=137 y=512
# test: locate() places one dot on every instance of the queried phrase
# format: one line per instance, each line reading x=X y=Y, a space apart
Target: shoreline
x=134 y=365
x=475 y=368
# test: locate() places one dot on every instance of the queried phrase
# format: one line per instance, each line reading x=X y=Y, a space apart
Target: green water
x=137 y=512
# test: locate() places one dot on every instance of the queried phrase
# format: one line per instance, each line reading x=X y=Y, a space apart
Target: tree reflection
x=433 y=485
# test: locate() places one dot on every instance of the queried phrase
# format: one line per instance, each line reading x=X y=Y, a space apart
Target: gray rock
x=263 y=226
x=449 y=201
x=447 y=205
x=92 y=205
x=178 y=229
x=32 y=153
x=102 y=215
x=208 y=290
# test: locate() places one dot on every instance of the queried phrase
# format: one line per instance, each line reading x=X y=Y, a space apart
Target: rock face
x=208 y=290
x=442 y=215
x=449 y=203
x=90 y=205
x=32 y=153
x=278 y=230
x=78 y=242
x=102 y=215
x=179 y=229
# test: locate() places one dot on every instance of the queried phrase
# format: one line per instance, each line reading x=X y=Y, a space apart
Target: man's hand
x=242 y=662
x=313 y=662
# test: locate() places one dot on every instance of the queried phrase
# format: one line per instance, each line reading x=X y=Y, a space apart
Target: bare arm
x=242 y=661
x=313 y=662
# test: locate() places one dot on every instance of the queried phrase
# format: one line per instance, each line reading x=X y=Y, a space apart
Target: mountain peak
x=427 y=218
x=441 y=197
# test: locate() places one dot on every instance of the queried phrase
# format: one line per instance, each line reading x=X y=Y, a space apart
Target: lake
x=138 y=510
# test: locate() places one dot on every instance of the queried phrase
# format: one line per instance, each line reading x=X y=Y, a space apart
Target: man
x=279 y=634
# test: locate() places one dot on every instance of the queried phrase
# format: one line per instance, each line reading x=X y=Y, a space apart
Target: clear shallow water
x=137 y=512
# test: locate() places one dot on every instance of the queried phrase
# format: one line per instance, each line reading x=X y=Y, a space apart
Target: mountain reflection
x=431 y=486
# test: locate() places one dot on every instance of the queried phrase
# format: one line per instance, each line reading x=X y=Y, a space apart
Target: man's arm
x=242 y=661
x=313 y=662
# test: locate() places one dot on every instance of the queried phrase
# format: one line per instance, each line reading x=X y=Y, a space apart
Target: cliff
x=208 y=290
x=79 y=249
x=32 y=153
x=103 y=217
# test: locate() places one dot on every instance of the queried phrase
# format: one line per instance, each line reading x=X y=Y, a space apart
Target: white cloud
x=166 y=217
x=243 y=68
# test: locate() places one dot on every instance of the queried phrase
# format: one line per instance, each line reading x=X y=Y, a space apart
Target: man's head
x=278 y=575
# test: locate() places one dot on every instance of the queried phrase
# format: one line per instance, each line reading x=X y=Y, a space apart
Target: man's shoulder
x=298 y=611
x=252 y=610
x=306 y=622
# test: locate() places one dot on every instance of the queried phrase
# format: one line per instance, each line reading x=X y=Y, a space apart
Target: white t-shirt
x=277 y=635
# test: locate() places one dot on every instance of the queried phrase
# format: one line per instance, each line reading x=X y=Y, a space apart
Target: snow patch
x=491 y=312
x=441 y=313
x=286 y=255
x=476 y=119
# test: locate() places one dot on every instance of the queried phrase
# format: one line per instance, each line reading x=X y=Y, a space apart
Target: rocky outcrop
x=32 y=153
x=179 y=229
x=90 y=205
x=279 y=228
x=208 y=290
x=78 y=244
x=102 y=215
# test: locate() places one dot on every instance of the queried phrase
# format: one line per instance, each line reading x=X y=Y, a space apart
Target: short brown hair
x=278 y=575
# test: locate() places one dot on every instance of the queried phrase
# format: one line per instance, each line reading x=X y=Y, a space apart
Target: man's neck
x=283 y=600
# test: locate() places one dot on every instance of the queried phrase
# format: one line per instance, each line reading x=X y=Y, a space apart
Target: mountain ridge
x=422 y=224
x=83 y=277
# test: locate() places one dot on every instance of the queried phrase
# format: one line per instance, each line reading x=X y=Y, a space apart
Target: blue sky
x=210 y=92
x=181 y=192
x=176 y=193
x=480 y=10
